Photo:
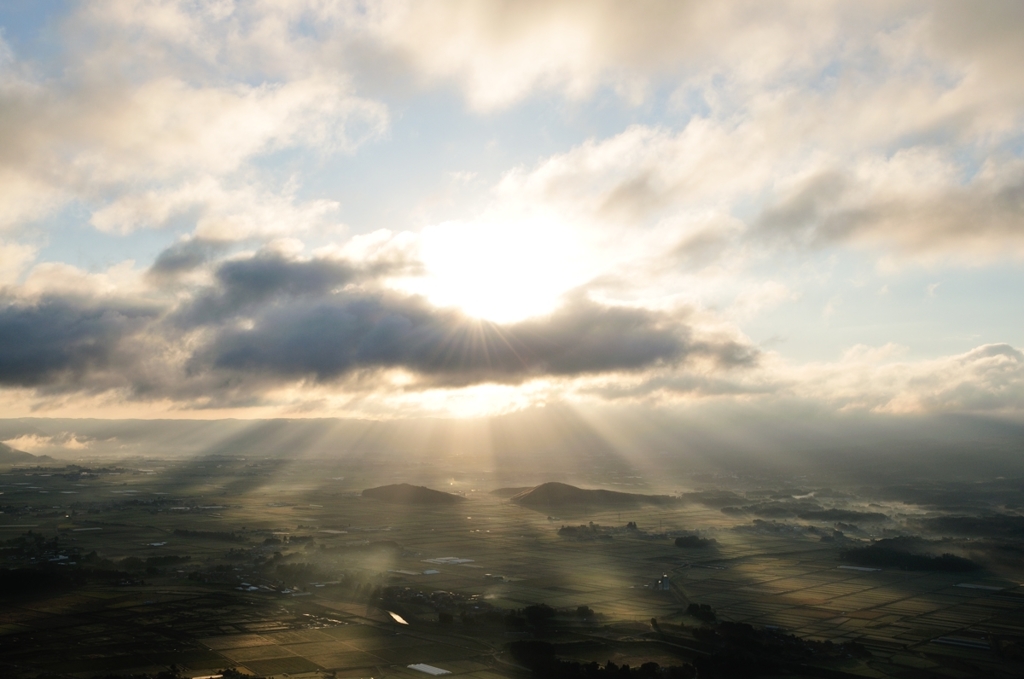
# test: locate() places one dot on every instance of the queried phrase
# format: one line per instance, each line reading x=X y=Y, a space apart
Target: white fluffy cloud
x=219 y=213
x=687 y=190
x=897 y=114
x=501 y=51
x=14 y=259
x=131 y=130
x=988 y=378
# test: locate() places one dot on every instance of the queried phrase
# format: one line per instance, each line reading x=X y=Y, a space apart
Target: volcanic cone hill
x=406 y=494
x=548 y=495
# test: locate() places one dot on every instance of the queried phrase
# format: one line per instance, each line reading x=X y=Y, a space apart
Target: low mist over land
x=537 y=443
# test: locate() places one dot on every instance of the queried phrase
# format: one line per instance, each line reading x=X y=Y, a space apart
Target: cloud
x=14 y=259
x=56 y=279
x=182 y=257
x=274 y=328
x=683 y=194
x=639 y=175
x=65 y=340
x=94 y=135
x=500 y=52
x=162 y=107
x=680 y=385
x=912 y=205
x=265 y=321
x=34 y=443
x=988 y=378
x=895 y=133
x=218 y=213
x=347 y=332
x=983 y=46
x=891 y=128
x=268 y=275
x=766 y=295
x=139 y=137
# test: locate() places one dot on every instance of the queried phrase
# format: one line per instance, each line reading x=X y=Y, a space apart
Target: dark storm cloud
x=269 y=319
x=63 y=338
x=584 y=336
x=343 y=333
x=245 y=283
x=264 y=275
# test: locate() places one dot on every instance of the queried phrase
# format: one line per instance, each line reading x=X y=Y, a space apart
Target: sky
x=386 y=210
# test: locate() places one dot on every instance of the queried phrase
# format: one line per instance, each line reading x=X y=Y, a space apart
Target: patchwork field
x=278 y=572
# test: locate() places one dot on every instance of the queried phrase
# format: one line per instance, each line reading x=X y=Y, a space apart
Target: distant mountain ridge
x=407 y=494
x=10 y=455
x=554 y=494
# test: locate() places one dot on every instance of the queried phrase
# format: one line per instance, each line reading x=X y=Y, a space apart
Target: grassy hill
x=406 y=494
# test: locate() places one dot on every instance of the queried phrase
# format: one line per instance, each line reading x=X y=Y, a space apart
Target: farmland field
x=271 y=570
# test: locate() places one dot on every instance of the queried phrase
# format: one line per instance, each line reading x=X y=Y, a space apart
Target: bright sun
x=504 y=271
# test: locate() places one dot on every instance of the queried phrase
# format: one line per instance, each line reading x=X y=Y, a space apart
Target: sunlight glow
x=480 y=400
x=502 y=271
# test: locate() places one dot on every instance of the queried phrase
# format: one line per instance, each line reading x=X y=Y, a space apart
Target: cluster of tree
x=592 y=531
x=998 y=525
x=28 y=582
x=227 y=536
x=31 y=545
x=742 y=650
x=833 y=536
x=728 y=650
x=174 y=673
x=702 y=612
x=542 y=659
x=881 y=555
x=47 y=577
x=695 y=542
x=539 y=615
x=536 y=618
